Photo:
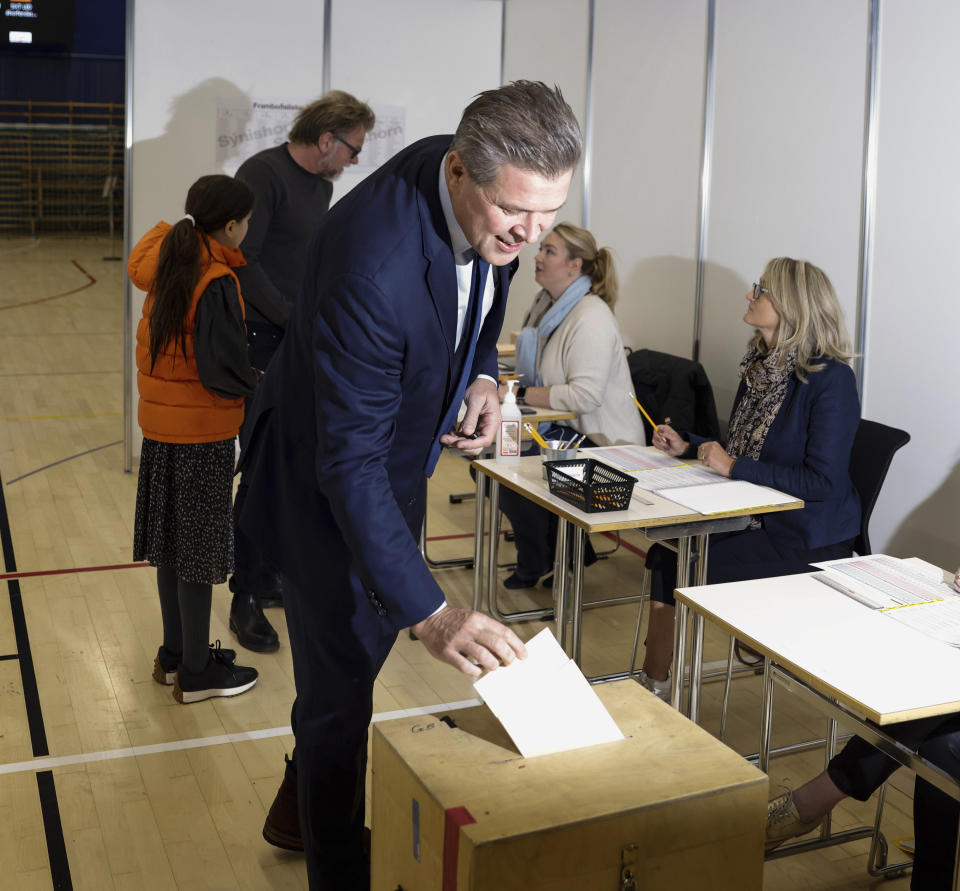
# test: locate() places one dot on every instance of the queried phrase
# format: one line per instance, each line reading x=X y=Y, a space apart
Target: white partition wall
x=784 y=146
x=428 y=57
x=914 y=315
x=787 y=157
x=188 y=59
x=648 y=114
x=547 y=40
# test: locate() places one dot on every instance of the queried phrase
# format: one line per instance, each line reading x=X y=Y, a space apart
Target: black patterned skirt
x=184 y=509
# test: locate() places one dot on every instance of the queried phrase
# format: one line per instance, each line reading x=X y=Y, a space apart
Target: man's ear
x=325 y=142
x=456 y=172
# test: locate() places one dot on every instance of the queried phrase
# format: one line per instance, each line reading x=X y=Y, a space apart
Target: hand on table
x=469 y=641
x=713 y=455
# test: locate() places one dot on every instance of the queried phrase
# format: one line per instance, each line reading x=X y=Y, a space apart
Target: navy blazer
x=346 y=423
x=807 y=454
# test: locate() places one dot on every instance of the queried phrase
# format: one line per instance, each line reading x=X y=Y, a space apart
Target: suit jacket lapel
x=441 y=271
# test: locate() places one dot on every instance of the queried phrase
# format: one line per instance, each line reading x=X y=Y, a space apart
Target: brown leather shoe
x=282 y=826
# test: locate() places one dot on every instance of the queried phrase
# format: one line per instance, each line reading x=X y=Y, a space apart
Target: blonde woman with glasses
x=792 y=427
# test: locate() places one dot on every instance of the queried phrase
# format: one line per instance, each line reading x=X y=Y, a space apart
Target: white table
x=674 y=521
x=837 y=653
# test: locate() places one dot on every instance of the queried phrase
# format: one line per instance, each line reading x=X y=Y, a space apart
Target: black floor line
x=53 y=828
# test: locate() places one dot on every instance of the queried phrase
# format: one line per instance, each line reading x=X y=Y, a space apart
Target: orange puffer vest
x=174 y=405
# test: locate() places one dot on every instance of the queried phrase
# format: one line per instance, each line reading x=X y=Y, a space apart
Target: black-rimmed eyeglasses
x=759 y=289
x=354 y=151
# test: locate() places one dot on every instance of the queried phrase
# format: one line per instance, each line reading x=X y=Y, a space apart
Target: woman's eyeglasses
x=759 y=289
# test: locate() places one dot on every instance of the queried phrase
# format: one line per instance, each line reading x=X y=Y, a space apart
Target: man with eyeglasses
x=292 y=184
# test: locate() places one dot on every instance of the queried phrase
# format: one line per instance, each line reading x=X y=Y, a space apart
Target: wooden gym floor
x=105 y=781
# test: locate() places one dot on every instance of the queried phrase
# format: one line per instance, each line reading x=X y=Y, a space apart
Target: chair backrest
x=873 y=449
x=674 y=387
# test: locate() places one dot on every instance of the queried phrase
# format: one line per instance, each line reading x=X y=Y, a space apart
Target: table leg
x=680 y=624
x=560 y=582
x=578 y=547
x=696 y=666
x=493 y=546
x=478 y=524
x=696 y=633
x=679 y=645
x=766 y=720
x=829 y=751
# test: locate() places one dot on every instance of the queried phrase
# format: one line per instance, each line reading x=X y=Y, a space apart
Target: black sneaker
x=166 y=664
x=221 y=677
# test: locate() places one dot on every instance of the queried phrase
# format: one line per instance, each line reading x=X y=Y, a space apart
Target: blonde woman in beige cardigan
x=570 y=356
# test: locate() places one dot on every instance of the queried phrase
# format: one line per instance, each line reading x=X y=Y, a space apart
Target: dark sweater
x=289 y=205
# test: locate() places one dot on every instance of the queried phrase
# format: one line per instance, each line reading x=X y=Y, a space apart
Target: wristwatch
x=521 y=392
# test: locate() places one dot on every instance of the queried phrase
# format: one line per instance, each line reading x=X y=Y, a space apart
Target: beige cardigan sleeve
x=585 y=367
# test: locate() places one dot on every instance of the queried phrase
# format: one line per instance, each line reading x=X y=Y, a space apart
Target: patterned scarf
x=766 y=388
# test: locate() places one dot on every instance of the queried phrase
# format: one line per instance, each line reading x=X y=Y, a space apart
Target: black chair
x=874 y=446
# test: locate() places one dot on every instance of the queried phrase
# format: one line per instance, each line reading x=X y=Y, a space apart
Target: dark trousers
x=535 y=534
x=253 y=574
x=860 y=769
x=736 y=557
x=334 y=671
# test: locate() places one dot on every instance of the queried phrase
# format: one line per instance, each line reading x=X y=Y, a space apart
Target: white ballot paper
x=725 y=496
x=545 y=703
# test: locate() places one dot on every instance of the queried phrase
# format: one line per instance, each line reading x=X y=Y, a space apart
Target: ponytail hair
x=212 y=202
x=597 y=262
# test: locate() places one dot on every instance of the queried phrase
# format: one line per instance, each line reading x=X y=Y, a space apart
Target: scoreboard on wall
x=36 y=24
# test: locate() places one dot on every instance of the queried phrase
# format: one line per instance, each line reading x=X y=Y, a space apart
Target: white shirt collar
x=462 y=250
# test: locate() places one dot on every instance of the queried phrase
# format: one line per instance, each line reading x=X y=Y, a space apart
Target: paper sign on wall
x=244 y=130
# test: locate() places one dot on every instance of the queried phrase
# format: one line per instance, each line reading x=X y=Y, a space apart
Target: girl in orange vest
x=192 y=374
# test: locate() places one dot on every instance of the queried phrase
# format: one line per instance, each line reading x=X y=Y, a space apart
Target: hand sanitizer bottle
x=508 y=436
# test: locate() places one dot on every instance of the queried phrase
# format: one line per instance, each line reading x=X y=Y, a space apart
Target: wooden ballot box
x=668 y=808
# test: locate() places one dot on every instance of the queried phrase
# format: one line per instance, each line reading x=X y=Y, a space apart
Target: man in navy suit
x=395 y=328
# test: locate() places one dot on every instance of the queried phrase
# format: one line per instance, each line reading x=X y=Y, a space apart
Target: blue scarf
x=532 y=340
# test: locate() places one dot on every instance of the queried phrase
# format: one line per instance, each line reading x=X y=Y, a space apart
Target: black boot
x=271 y=591
x=251 y=627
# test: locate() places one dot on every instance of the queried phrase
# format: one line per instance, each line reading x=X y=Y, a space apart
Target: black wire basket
x=589 y=485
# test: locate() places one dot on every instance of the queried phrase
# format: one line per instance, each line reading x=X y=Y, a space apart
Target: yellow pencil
x=535 y=434
x=643 y=411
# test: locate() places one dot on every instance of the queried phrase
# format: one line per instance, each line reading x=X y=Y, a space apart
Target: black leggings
x=185 y=610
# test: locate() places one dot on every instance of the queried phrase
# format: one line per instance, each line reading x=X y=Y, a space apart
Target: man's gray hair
x=335 y=112
x=526 y=124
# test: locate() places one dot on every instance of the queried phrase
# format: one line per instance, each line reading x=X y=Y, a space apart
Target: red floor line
x=90 y=282
x=76 y=569
x=110 y=567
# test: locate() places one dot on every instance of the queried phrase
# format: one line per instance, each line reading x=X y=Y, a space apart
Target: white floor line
x=49 y=762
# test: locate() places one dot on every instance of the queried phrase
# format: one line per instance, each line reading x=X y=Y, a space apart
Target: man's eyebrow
x=511 y=207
